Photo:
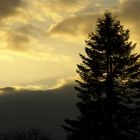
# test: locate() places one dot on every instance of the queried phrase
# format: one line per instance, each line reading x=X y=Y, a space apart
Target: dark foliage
x=24 y=134
x=109 y=69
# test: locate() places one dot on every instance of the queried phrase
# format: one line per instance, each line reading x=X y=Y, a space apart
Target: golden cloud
x=68 y=6
x=129 y=14
x=20 y=38
x=130 y=10
x=76 y=25
x=9 y=7
x=78 y=20
x=17 y=41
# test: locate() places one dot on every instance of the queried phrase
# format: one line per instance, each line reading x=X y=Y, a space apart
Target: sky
x=40 y=40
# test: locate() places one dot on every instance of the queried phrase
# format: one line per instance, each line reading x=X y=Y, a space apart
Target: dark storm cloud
x=45 y=109
x=77 y=25
x=9 y=7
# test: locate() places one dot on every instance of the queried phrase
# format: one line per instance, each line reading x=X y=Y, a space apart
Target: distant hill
x=45 y=109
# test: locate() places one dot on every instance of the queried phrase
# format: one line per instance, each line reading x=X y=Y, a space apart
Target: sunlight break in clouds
x=40 y=39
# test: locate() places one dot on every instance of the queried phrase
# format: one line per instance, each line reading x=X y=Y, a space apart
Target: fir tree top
x=109 y=54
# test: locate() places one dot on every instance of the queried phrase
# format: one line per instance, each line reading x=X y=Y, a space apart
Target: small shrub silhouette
x=24 y=134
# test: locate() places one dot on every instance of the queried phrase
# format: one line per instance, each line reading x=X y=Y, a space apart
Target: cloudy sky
x=40 y=39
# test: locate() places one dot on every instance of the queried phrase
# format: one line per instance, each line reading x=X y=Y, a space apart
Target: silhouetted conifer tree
x=109 y=68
